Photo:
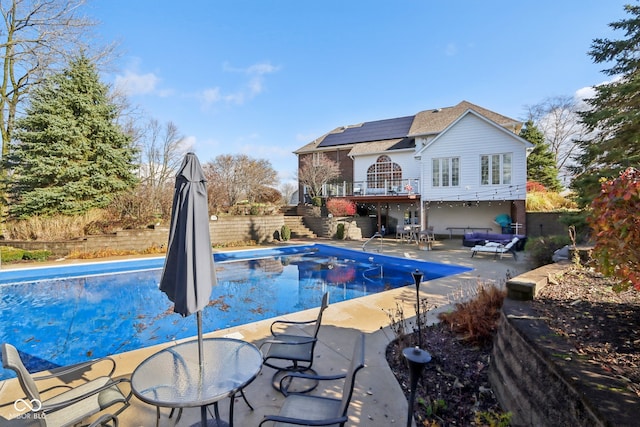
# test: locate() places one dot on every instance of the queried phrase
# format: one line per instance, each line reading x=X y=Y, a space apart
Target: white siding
x=410 y=167
x=468 y=139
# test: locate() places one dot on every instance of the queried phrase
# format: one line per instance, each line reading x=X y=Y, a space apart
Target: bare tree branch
x=558 y=119
x=315 y=171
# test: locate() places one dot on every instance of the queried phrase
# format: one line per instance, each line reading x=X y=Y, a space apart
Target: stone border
x=537 y=376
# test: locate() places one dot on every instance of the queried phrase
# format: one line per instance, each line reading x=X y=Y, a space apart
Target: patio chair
x=309 y=410
x=427 y=236
x=496 y=248
x=75 y=403
x=290 y=352
x=403 y=232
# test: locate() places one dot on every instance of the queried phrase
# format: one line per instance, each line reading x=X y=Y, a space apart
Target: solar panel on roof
x=370 y=131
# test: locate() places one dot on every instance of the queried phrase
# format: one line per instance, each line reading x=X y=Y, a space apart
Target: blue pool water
x=63 y=315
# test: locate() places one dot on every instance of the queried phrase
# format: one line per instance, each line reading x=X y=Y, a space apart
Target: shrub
x=578 y=221
x=340 y=231
x=616 y=227
x=477 y=319
x=341 y=207
x=317 y=201
x=548 y=201
x=10 y=254
x=285 y=232
x=38 y=255
x=533 y=186
x=58 y=227
x=541 y=249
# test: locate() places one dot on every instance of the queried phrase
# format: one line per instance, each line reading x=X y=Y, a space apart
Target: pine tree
x=69 y=154
x=614 y=116
x=541 y=163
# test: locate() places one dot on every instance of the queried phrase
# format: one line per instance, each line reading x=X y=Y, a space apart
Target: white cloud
x=252 y=87
x=212 y=95
x=260 y=69
x=589 y=91
x=132 y=83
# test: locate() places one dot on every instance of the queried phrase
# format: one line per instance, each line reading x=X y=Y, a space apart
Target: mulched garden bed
x=601 y=324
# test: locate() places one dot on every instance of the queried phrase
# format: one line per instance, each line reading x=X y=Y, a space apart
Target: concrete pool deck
x=378 y=399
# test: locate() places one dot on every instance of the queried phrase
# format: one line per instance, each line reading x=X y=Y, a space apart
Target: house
x=453 y=169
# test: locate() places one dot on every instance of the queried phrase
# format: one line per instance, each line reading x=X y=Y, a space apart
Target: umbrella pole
x=203 y=409
x=200 y=350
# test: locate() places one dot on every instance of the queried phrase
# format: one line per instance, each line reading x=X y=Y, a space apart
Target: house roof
x=382 y=146
x=398 y=133
x=369 y=131
x=470 y=111
x=435 y=121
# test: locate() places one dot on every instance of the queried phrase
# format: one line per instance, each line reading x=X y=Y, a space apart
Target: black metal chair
x=308 y=410
x=292 y=353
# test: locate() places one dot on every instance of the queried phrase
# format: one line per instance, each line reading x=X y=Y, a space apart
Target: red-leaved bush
x=615 y=220
x=341 y=207
x=533 y=186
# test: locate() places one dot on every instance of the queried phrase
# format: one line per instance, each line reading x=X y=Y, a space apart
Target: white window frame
x=496 y=169
x=445 y=172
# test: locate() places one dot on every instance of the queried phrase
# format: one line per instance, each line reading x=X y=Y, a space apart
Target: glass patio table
x=172 y=378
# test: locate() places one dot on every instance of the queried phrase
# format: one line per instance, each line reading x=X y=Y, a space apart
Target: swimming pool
x=66 y=314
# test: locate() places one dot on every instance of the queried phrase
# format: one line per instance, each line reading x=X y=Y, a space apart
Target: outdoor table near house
x=172 y=378
x=414 y=233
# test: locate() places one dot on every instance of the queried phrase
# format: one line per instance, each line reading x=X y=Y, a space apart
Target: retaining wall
x=257 y=228
x=223 y=230
x=539 y=377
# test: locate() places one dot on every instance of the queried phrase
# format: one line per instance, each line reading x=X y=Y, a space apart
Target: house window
x=382 y=172
x=495 y=169
x=445 y=172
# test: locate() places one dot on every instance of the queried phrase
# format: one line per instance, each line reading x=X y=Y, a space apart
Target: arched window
x=384 y=172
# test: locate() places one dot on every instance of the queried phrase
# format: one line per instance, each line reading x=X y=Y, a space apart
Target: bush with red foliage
x=535 y=187
x=341 y=207
x=615 y=223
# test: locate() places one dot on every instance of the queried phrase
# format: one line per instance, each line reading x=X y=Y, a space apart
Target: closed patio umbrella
x=189 y=273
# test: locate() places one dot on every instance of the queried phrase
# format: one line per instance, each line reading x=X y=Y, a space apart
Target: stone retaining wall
x=538 y=376
x=223 y=230
x=355 y=228
x=260 y=229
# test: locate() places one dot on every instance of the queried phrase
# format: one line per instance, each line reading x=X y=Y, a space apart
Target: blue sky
x=263 y=78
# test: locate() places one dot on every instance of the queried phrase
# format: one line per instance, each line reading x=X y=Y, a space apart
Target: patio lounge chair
x=308 y=410
x=295 y=351
x=75 y=403
x=497 y=248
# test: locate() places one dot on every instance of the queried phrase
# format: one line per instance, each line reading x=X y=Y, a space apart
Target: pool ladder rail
x=377 y=268
x=376 y=235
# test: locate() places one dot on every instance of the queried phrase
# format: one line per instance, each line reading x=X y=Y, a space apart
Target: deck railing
x=405 y=186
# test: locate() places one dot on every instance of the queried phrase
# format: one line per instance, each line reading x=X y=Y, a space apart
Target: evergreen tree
x=69 y=154
x=541 y=162
x=614 y=116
